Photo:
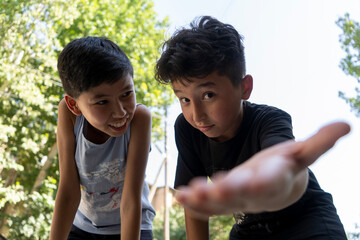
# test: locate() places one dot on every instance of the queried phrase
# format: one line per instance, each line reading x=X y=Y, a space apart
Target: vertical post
x=166 y=189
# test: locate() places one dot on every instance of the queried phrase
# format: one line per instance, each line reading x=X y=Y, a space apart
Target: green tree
x=30 y=91
x=350 y=64
x=177 y=224
x=354 y=235
x=219 y=226
x=32 y=35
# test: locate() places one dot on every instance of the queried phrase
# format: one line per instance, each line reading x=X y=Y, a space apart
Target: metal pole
x=166 y=189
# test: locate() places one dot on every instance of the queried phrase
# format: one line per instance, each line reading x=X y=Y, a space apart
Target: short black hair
x=90 y=61
x=207 y=46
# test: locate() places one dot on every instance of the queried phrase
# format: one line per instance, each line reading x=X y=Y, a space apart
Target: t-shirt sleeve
x=276 y=128
x=188 y=163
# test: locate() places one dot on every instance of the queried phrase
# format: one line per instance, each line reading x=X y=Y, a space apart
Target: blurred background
x=304 y=57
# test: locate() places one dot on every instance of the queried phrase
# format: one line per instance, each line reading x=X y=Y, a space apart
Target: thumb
x=313 y=147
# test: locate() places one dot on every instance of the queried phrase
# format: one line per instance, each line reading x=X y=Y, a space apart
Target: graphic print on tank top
x=105 y=196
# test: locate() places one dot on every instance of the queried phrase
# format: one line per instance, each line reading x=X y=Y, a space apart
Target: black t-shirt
x=262 y=126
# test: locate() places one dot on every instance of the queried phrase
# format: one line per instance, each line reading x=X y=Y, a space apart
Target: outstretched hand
x=270 y=180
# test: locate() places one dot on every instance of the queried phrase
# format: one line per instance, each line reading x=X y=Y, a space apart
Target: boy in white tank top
x=102 y=163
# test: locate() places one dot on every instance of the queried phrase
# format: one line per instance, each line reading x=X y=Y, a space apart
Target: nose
x=119 y=110
x=198 y=112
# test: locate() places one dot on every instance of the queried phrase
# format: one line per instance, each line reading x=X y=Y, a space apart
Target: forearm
x=139 y=146
x=196 y=229
x=63 y=217
x=68 y=194
x=130 y=220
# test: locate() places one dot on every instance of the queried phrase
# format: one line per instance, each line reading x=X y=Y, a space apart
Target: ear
x=246 y=86
x=72 y=105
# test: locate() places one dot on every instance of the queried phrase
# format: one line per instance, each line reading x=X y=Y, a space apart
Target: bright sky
x=293 y=52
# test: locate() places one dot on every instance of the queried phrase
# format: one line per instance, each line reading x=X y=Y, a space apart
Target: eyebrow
x=206 y=84
x=98 y=96
x=202 y=85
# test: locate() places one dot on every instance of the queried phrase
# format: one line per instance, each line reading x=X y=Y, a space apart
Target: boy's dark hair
x=90 y=61
x=208 y=46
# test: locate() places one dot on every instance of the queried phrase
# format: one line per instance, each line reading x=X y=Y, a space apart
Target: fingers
x=198 y=199
x=224 y=196
x=313 y=147
x=192 y=198
x=235 y=182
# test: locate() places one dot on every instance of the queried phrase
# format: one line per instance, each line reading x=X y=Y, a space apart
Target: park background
x=293 y=51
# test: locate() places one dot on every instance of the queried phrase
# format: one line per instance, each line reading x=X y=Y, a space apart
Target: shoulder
x=265 y=110
x=140 y=133
x=183 y=127
x=64 y=114
x=182 y=123
x=141 y=113
x=187 y=134
x=141 y=119
x=62 y=105
x=264 y=115
x=268 y=124
x=180 y=119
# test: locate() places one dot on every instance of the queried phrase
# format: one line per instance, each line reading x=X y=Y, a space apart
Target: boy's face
x=213 y=105
x=109 y=108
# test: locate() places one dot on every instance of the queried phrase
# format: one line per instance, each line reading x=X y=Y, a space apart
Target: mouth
x=205 y=128
x=119 y=125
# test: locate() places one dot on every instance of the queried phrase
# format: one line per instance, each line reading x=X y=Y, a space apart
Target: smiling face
x=108 y=108
x=213 y=104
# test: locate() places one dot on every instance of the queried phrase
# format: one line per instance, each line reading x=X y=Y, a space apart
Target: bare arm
x=196 y=229
x=271 y=180
x=68 y=195
x=139 y=146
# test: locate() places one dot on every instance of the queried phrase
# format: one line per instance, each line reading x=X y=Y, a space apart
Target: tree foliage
x=176 y=224
x=32 y=35
x=350 y=64
x=354 y=235
x=30 y=91
x=219 y=226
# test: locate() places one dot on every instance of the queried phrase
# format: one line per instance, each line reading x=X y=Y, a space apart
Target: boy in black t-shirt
x=271 y=192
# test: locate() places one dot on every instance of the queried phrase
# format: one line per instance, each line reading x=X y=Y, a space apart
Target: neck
x=93 y=134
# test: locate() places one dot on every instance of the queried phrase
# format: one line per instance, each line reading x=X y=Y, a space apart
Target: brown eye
x=184 y=100
x=208 y=95
x=101 y=102
x=127 y=94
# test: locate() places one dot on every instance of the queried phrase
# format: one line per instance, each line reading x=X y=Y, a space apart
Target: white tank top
x=101 y=170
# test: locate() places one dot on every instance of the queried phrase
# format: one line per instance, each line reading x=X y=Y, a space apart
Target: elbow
x=128 y=206
x=69 y=198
